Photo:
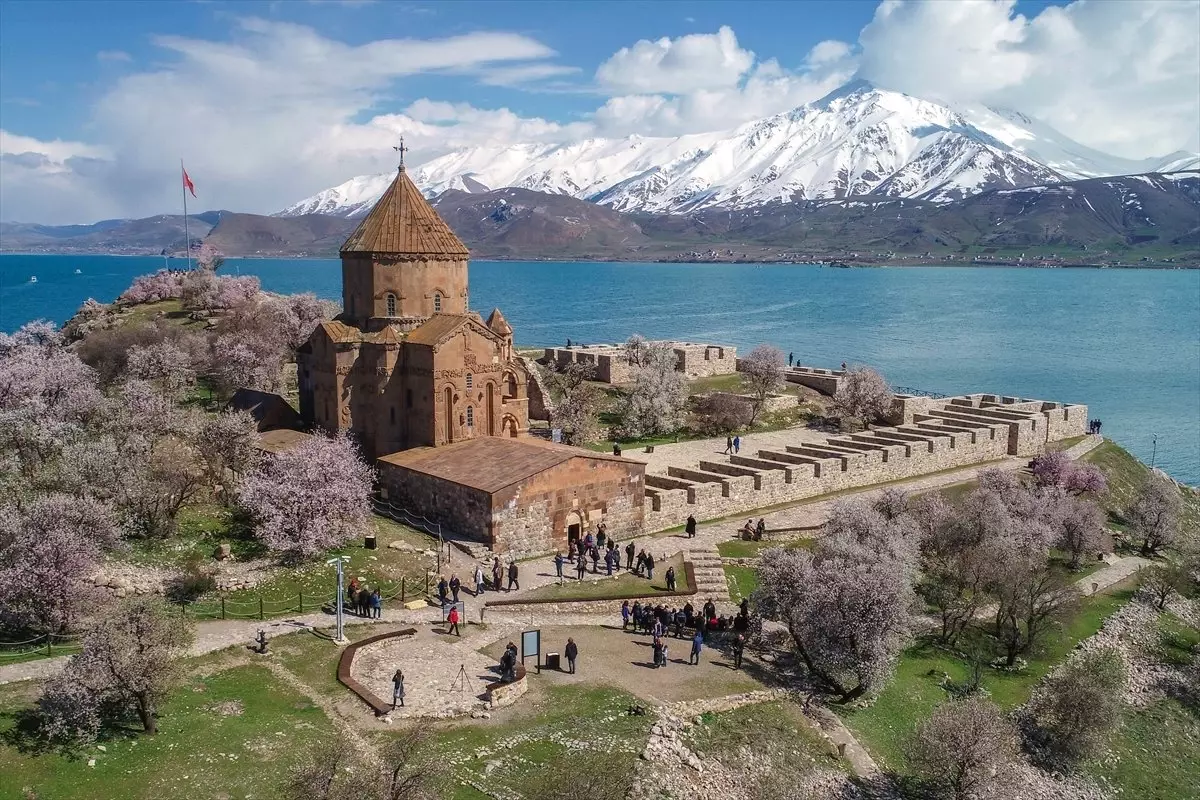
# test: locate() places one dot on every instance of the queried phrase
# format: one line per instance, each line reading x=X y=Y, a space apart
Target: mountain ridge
x=857 y=140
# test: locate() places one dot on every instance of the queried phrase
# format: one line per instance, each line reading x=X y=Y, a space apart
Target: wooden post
x=401 y=591
x=260 y=608
x=222 y=608
x=301 y=602
x=49 y=646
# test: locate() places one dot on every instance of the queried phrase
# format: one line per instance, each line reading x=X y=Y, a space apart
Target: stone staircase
x=710 y=577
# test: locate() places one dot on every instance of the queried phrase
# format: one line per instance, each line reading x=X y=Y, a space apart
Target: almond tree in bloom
x=847 y=607
x=1057 y=470
x=227 y=444
x=655 y=404
x=130 y=662
x=47 y=397
x=862 y=396
x=1080 y=528
x=162 y=285
x=311 y=498
x=1154 y=517
x=49 y=547
x=576 y=401
x=762 y=375
x=965 y=749
x=164 y=365
x=1079 y=706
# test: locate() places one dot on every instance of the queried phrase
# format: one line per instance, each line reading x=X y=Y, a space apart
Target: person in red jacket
x=452 y=621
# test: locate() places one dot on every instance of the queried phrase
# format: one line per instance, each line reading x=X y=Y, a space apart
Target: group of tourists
x=363 y=601
x=753 y=531
x=700 y=628
x=1094 y=425
x=602 y=547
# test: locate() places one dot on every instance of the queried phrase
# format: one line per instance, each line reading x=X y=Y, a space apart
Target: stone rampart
x=951 y=433
x=825 y=381
x=693 y=359
x=772 y=403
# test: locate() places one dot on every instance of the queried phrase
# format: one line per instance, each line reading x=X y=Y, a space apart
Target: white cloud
x=281 y=111
x=113 y=55
x=1123 y=77
x=694 y=62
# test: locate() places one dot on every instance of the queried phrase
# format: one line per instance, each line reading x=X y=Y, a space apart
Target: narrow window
x=470 y=417
x=408 y=398
x=470 y=381
x=391 y=304
x=437 y=302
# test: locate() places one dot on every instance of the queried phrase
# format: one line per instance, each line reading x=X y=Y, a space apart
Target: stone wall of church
x=413 y=282
x=476 y=392
x=533 y=516
x=460 y=510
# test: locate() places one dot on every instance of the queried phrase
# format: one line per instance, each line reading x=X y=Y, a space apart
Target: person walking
x=629 y=551
x=739 y=646
x=728 y=445
x=670 y=579
x=558 y=562
x=452 y=621
x=649 y=566
x=580 y=567
x=595 y=555
x=398 y=689
x=478 y=580
x=512 y=576
x=376 y=605
x=790 y=359
x=697 y=646
x=455 y=585
x=572 y=652
x=689 y=527
x=625 y=614
x=496 y=574
x=737 y=444
x=760 y=530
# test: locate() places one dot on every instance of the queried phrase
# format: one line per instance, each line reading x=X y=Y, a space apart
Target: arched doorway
x=574 y=527
x=448 y=399
x=491 y=409
x=508 y=427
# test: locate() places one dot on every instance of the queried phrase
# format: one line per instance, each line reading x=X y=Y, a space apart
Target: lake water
x=1126 y=342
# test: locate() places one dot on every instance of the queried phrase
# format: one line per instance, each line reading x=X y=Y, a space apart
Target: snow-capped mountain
x=858 y=140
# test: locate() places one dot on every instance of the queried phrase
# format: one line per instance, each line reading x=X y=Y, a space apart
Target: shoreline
x=834 y=264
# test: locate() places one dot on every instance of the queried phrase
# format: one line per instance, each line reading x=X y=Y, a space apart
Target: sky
x=269 y=102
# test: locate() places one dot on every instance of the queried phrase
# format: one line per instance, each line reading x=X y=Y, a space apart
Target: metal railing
x=920 y=392
x=44 y=645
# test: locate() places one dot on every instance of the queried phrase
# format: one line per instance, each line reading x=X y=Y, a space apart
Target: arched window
x=437 y=302
x=470 y=381
x=391 y=304
x=470 y=417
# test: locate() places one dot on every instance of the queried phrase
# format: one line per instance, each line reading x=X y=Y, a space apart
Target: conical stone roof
x=403 y=223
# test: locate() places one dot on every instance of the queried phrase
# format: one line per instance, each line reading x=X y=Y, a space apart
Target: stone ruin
x=693 y=359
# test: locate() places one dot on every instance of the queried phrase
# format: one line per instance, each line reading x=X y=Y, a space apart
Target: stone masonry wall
x=695 y=360
x=460 y=509
x=950 y=435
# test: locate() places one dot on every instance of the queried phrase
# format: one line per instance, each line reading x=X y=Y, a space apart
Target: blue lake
x=1126 y=342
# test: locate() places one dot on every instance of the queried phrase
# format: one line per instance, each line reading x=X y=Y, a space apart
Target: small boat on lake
x=33 y=278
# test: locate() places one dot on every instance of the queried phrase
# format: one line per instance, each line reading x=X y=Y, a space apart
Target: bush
x=1079 y=706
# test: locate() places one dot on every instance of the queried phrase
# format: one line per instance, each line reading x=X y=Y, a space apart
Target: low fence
x=919 y=392
x=46 y=645
x=262 y=608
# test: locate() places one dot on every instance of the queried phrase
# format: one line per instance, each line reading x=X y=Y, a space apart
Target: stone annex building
x=436 y=394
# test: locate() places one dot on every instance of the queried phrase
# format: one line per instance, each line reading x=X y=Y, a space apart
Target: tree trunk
x=146 y=715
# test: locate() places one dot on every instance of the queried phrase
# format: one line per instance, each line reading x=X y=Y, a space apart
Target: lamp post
x=338 y=561
x=1154 y=450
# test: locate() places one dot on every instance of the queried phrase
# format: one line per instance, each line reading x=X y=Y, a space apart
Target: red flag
x=187 y=182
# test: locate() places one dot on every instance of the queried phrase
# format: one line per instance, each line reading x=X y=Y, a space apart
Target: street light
x=337 y=602
x=1154 y=450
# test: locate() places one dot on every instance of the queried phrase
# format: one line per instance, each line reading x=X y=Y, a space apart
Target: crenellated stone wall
x=693 y=359
x=935 y=435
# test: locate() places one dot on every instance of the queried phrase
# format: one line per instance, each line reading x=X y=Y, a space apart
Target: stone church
x=436 y=394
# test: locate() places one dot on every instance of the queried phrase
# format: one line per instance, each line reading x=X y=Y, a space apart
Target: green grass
x=1064 y=444
x=623 y=585
x=1125 y=476
x=739 y=548
x=199 y=751
x=742 y=581
x=1178 y=642
x=572 y=728
x=1155 y=755
x=915 y=689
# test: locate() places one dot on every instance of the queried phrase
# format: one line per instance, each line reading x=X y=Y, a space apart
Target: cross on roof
x=401 y=149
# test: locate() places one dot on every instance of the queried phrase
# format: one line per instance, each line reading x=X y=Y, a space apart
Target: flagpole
x=186 y=236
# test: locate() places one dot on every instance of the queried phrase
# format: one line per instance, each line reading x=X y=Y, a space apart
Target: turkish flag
x=187 y=183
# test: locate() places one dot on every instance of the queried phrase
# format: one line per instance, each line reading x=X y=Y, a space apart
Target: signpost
x=531 y=645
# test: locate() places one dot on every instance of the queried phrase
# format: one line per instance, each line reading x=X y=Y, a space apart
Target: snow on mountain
x=858 y=140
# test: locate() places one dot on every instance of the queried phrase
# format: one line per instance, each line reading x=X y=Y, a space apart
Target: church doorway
x=449 y=414
x=574 y=528
x=491 y=409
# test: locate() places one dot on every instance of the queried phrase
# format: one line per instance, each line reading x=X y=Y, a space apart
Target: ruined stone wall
x=693 y=359
x=702 y=360
x=773 y=402
x=825 y=381
x=460 y=509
